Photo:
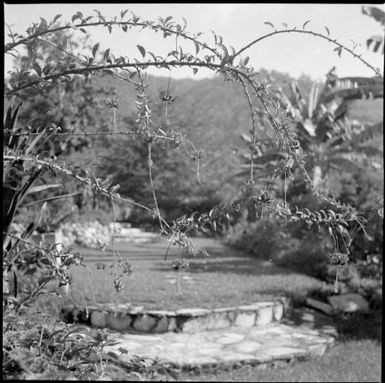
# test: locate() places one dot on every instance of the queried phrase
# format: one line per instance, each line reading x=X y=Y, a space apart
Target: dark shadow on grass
x=361 y=326
x=221 y=259
x=358 y=326
x=242 y=266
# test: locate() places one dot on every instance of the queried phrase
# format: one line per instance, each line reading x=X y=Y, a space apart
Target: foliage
x=375 y=42
x=29 y=268
x=59 y=351
x=66 y=107
x=258 y=238
x=292 y=246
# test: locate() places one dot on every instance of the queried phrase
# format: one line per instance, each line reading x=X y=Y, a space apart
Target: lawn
x=226 y=278
x=352 y=361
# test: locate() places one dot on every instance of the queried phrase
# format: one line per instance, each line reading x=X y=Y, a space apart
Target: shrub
x=37 y=346
x=304 y=249
x=292 y=245
x=257 y=238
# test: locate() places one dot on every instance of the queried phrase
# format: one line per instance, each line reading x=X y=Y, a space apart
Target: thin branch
x=155 y=27
x=82 y=61
x=89 y=69
x=17 y=134
x=316 y=34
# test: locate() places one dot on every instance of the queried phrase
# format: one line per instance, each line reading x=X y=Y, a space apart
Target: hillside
x=210 y=112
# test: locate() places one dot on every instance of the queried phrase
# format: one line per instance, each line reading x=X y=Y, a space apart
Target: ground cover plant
x=41 y=148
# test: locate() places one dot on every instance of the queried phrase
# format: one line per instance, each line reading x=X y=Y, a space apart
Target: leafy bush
x=257 y=238
x=37 y=346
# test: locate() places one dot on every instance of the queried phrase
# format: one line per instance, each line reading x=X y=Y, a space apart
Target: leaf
x=375 y=12
x=74 y=17
x=141 y=50
x=109 y=27
x=246 y=60
x=269 y=23
x=37 y=68
x=168 y=18
x=305 y=23
x=152 y=55
x=106 y=54
x=108 y=71
x=374 y=43
x=43 y=23
x=225 y=52
x=327 y=30
x=39 y=188
x=95 y=49
x=56 y=17
x=195 y=70
x=196 y=47
x=122 y=13
x=285 y=25
x=338 y=50
x=124 y=28
x=82 y=30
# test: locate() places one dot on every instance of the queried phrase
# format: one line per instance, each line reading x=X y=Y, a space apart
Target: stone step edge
x=125 y=318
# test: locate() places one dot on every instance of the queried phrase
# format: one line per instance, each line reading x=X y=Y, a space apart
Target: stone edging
x=125 y=318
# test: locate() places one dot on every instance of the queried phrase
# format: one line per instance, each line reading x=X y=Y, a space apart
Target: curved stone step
x=226 y=347
x=125 y=318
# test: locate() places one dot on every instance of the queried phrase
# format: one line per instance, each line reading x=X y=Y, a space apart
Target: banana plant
x=328 y=137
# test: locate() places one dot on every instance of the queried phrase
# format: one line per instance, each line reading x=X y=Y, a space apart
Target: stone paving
x=230 y=346
x=260 y=333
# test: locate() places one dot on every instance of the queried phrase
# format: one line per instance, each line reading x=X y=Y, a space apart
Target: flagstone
x=223 y=347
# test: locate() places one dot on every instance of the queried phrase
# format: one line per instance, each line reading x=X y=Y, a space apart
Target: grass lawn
x=351 y=361
x=225 y=278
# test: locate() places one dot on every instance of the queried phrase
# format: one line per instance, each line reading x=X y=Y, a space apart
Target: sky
x=238 y=24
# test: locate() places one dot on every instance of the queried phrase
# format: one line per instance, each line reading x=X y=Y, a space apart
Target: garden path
x=299 y=337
